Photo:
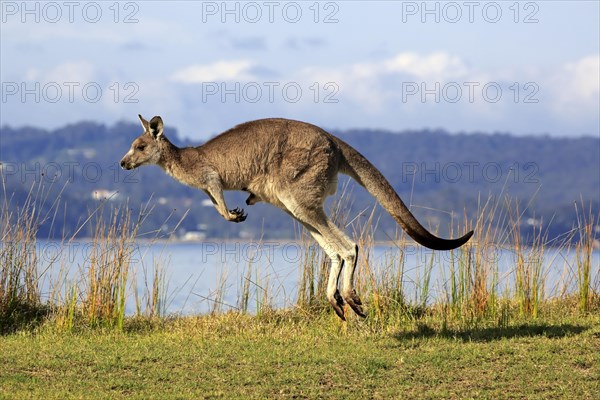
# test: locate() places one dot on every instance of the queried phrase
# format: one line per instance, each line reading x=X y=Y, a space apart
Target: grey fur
x=292 y=165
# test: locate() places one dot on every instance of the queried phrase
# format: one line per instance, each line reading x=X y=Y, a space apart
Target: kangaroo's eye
x=141 y=147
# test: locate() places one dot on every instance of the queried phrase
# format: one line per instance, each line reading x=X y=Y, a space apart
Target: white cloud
x=238 y=70
x=569 y=92
x=375 y=84
x=438 y=66
x=575 y=87
x=71 y=71
x=572 y=90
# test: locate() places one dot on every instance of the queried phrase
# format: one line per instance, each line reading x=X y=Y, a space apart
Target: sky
x=527 y=67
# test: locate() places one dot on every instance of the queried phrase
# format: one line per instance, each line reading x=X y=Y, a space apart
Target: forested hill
x=436 y=172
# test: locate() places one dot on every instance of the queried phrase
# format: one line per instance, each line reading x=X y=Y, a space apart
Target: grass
x=94 y=291
x=583 y=249
x=20 y=303
x=289 y=355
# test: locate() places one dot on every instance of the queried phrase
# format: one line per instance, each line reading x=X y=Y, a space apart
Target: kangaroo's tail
x=359 y=168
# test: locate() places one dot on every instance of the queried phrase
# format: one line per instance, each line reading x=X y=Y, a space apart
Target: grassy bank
x=288 y=355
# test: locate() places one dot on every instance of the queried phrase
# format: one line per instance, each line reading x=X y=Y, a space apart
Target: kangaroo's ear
x=156 y=127
x=144 y=123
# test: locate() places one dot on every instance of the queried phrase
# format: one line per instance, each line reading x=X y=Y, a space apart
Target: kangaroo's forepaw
x=354 y=302
x=238 y=215
x=338 y=305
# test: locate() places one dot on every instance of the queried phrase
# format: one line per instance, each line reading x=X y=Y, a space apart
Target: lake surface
x=202 y=276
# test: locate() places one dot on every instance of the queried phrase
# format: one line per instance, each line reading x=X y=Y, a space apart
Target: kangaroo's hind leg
x=338 y=247
x=348 y=292
x=349 y=254
x=333 y=294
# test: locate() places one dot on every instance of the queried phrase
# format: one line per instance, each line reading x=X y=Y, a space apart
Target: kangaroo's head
x=146 y=148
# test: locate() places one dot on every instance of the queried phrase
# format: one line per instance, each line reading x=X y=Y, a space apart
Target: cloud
x=249 y=43
x=262 y=72
x=296 y=43
x=225 y=40
x=72 y=71
x=374 y=84
x=532 y=98
x=238 y=70
x=578 y=82
x=438 y=66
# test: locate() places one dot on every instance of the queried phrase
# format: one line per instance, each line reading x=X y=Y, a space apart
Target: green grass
x=284 y=355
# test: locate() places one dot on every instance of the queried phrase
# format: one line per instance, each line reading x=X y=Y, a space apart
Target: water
x=196 y=273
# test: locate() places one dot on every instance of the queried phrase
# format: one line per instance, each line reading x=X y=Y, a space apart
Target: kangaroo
x=292 y=165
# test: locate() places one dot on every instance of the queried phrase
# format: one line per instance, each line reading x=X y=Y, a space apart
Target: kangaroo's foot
x=338 y=305
x=237 y=215
x=354 y=301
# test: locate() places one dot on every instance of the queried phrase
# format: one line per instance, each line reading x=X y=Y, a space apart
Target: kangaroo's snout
x=125 y=164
